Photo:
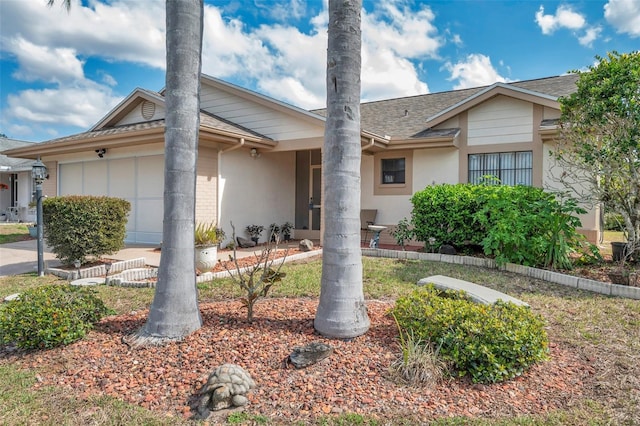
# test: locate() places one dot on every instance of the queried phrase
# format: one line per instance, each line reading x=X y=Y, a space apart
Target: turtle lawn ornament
x=225 y=388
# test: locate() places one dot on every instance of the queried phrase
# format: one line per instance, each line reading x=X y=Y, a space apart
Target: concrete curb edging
x=209 y=276
x=134 y=278
x=541 y=274
x=97 y=271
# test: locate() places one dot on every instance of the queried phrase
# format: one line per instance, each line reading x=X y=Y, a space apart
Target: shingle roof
x=14 y=164
x=406 y=117
x=206 y=119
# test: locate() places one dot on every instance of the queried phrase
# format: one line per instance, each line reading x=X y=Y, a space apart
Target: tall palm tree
x=174 y=312
x=342 y=312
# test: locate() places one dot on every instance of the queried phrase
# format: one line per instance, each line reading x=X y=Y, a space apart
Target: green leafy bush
x=529 y=226
x=489 y=343
x=445 y=212
x=403 y=232
x=79 y=226
x=49 y=316
x=614 y=222
x=518 y=224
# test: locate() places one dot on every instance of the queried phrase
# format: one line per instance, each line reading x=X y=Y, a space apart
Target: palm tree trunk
x=342 y=312
x=174 y=311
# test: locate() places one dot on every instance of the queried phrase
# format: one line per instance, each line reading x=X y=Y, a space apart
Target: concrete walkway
x=22 y=257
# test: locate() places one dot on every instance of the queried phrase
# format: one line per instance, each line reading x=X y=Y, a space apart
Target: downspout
x=219 y=193
x=369 y=145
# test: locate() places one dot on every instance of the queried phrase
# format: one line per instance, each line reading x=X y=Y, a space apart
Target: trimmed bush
x=79 y=226
x=50 y=316
x=445 y=212
x=489 y=343
x=518 y=224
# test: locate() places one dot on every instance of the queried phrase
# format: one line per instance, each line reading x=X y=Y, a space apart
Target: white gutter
x=218 y=190
x=372 y=142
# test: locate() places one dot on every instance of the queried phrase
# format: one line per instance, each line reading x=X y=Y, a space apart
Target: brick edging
x=541 y=274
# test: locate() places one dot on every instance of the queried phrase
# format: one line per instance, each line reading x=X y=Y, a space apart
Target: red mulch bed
x=354 y=379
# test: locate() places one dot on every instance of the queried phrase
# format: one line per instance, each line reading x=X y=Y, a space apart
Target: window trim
x=500 y=170
x=405 y=188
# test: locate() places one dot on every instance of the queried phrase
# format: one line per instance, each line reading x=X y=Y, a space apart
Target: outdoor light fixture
x=39 y=174
x=107 y=268
x=254 y=153
x=101 y=152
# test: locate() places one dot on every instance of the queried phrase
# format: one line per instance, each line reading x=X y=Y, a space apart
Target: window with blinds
x=509 y=168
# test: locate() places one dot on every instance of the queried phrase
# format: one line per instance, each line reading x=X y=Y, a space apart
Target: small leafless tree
x=257 y=280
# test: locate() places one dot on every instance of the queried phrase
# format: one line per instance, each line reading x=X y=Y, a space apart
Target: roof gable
x=127 y=105
x=275 y=119
x=490 y=92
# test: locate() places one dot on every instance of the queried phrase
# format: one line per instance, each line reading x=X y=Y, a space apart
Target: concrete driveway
x=22 y=257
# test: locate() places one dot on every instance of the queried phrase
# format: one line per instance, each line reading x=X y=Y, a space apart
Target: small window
x=509 y=168
x=393 y=171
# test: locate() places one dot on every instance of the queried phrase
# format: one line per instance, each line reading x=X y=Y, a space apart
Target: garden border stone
x=541 y=274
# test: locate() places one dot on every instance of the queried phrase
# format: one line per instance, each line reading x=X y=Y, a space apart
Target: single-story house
x=259 y=159
x=16 y=185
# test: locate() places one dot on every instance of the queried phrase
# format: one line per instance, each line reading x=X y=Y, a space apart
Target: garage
x=139 y=180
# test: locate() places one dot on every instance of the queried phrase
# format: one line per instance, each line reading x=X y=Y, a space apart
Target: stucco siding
x=500 y=120
x=590 y=220
x=550 y=113
x=430 y=166
x=434 y=167
x=257 y=191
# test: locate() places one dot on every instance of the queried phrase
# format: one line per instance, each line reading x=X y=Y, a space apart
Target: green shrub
x=529 y=226
x=403 y=232
x=613 y=222
x=445 y=212
x=48 y=316
x=79 y=226
x=518 y=224
x=489 y=343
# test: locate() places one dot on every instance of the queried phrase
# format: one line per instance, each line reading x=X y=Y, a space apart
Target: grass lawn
x=13 y=232
x=605 y=331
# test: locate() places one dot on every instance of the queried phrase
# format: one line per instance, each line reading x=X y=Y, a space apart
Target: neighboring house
x=16 y=185
x=259 y=159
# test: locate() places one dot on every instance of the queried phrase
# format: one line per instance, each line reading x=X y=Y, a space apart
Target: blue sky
x=61 y=72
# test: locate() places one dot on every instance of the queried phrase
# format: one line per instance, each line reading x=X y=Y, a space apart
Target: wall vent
x=148 y=110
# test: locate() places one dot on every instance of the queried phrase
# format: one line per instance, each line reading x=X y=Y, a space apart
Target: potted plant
x=254 y=232
x=286 y=229
x=274 y=232
x=207 y=237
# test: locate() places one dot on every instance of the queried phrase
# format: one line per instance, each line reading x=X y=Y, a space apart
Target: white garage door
x=139 y=180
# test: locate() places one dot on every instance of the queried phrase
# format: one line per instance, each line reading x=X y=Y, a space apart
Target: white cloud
x=79 y=106
x=407 y=33
x=564 y=17
x=476 y=70
x=624 y=15
x=119 y=30
x=277 y=57
x=44 y=63
x=52 y=45
x=590 y=35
